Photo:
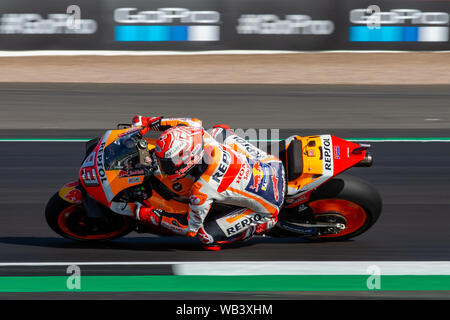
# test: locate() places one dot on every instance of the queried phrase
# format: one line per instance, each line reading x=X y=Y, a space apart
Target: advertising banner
x=394 y=25
x=281 y=25
x=50 y=25
x=224 y=25
x=163 y=25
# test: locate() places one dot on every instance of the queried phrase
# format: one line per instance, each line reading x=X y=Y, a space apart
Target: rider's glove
x=149 y=215
x=147 y=123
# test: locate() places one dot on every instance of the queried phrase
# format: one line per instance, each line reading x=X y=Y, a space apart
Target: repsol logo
x=223 y=167
x=327 y=154
x=241 y=225
x=165 y=15
x=100 y=165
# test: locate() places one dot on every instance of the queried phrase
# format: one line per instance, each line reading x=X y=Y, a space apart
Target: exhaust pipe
x=366 y=162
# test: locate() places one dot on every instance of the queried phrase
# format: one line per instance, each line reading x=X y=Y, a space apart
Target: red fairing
x=89 y=175
x=71 y=184
x=343 y=156
x=294 y=202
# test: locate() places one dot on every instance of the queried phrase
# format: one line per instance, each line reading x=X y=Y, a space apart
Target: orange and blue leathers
x=236 y=173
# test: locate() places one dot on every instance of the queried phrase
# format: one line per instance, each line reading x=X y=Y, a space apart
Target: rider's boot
x=212 y=245
x=207 y=240
x=266 y=226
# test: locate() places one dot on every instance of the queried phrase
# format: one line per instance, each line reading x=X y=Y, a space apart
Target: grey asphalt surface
x=93 y=106
x=412 y=178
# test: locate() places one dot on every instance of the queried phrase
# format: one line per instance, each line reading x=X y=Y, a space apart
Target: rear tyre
x=72 y=222
x=344 y=199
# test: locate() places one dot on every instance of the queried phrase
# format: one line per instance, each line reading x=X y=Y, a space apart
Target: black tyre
x=90 y=145
x=345 y=199
x=72 y=222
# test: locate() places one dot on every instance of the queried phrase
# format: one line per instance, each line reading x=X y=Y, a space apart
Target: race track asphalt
x=412 y=178
x=92 y=106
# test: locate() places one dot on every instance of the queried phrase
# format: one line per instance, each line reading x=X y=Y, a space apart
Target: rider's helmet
x=178 y=150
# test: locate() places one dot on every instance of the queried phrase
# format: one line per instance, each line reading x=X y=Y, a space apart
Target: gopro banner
x=398 y=25
x=163 y=25
x=394 y=25
x=50 y=25
x=198 y=25
x=166 y=24
x=286 y=25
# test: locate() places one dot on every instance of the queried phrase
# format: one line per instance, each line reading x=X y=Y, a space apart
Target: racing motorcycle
x=120 y=168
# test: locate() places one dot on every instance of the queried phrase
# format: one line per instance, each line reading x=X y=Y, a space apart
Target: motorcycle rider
x=232 y=172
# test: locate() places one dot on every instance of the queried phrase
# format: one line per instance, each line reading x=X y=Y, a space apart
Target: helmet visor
x=168 y=167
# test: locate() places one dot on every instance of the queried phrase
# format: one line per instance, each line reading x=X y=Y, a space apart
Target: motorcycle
x=120 y=169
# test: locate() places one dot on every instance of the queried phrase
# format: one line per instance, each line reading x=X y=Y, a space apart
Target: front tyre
x=72 y=222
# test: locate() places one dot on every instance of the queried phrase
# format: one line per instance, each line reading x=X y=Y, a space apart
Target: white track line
x=80 y=263
x=274 y=267
x=41 y=53
x=315 y=268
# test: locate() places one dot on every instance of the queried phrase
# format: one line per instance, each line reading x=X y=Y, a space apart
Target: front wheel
x=72 y=222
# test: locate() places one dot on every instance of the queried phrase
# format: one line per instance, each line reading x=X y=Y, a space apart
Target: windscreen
x=122 y=153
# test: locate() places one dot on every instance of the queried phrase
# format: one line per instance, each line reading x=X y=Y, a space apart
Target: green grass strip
x=222 y=283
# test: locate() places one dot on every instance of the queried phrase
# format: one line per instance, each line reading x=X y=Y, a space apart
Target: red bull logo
x=73 y=196
x=71 y=193
x=258 y=175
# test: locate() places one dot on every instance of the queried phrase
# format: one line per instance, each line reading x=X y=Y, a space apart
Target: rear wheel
x=72 y=222
x=348 y=201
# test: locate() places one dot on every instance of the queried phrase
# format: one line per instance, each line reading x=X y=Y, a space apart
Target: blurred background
x=90 y=51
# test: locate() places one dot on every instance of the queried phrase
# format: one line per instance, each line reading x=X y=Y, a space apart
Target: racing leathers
x=250 y=182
